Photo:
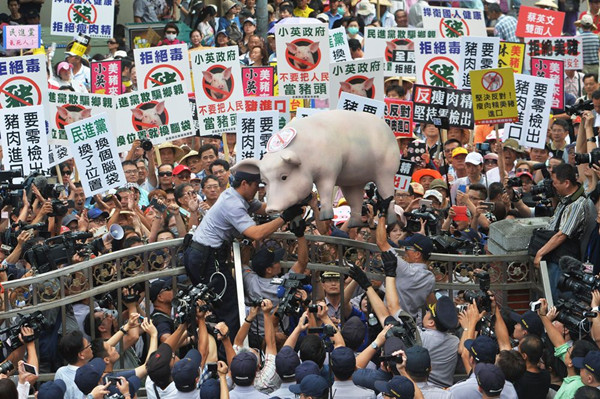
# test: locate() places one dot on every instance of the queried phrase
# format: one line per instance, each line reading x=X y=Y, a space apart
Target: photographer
x=161 y=296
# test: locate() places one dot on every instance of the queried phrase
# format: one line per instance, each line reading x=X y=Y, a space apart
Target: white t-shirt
x=170 y=392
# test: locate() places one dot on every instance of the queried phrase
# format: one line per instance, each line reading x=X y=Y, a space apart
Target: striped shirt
x=572 y=217
x=591 y=44
x=506 y=28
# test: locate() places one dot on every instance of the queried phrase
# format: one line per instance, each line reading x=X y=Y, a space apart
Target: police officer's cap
x=444 y=313
x=250 y=173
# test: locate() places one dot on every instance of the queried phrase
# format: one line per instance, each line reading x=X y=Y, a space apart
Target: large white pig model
x=330 y=148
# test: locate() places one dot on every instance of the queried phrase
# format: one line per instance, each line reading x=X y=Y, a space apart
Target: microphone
x=570 y=263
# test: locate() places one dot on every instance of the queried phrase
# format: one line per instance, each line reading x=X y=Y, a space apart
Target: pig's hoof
x=355 y=223
x=326 y=214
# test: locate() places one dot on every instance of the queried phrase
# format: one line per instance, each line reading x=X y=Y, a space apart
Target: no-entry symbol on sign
x=162 y=75
x=19 y=91
x=454 y=27
x=440 y=72
x=492 y=81
x=82 y=14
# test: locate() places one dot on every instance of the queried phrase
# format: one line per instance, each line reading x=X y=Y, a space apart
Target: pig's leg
x=354 y=195
x=385 y=187
x=325 y=189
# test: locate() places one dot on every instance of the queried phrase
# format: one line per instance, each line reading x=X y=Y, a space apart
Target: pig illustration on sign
x=72 y=114
x=396 y=45
x=150 y=117
x=218 y=81
x=360 y=89
x=338 y=147
x=304 y=56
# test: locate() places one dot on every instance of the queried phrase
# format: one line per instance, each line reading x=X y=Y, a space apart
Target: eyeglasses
x=111 y=42
x=89 y=345
x=491 y=161
x=212 y=187
x=163 y=174
x=131 y=172
x=66 y=172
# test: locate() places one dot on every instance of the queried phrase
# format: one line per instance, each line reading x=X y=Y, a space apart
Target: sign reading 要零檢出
x=162 y=65
x=253 y=131
x=362 y=77
x=94 y=18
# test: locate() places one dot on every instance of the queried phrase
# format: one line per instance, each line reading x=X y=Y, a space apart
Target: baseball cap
x=247 y=172
x=419 y=242
x=474 y=158
x=491 y=155
x=483 y=348
x=392 y=344
x=438 y=183
x=591 y=362
x=286 y=362
x=416 y=188
x=311 y=385
x=305 y=369
x=490 y=378
x=159 y=285
x=159 y=366
x=353 y=332
x=397 y=387
x=181 y=168
x=418 y=362
x=444 y=313
x=243 y=368
x=434 y=193
x=210 y=389
x=525 y=174
x=186 y=370
x=52 y=390
x=68 y=219
x=530 y=321
x=63 y=65
x=343 y=361
x=459 y=151
x=87 y=376
x=251 y=20
x=120 y=53
x=586 y=20
x=95 y=213
x=266 y=256
x=323 y=17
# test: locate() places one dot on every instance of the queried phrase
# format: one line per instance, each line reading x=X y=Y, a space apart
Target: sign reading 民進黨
x=253 y=131
x=454 y=22
x=438 y=62
x=339 y=51
x=363 y=77
x=94 y=18
x=302 y=60
x=279 y=104
x=477 y=53
x=158 y=66
x=494 y=96
x=555 y=70
x=23 y=81
x=566 y=48
x=511 y=55
x=21 y=37
x=432 y=103
x=93 y=146
x=218 y=87
x=258 y=81
x=534 y=101
x=24 y=142
x=106 y=77
x=536 y=22
x=353 y=102
x=396 y=46
x=399 y=116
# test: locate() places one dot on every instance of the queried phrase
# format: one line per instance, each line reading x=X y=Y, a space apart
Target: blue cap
x=420 y=243
x=490 y=378
x=397 y=387
x=186 y=371
x=591 y=362
x=95 y=213
x=52 y=390
x=418 y=362
x=87 y=377
x=306 y=368
x=286 y=362
x=311 y=385
x=210 y=389
x=158 y=285
x=444 y=313
x=530 y=321
x=343 y=361
x=354 y=332
x=483 y=348
x=243 y=368
x=265 y=257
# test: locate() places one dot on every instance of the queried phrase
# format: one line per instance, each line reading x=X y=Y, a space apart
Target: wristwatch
x=592 y=139
x=374 y=345
x=596 y=309
x=123 y=330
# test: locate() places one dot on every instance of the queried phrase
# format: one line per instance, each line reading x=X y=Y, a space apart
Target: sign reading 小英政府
x=362 y=77
x=158 y=66
x=94 y=18
x=493 y=93
x=431 y=103
x=253 y=131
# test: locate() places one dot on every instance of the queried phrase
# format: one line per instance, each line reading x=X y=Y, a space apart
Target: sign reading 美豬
x=555 y=70
x=454 y=22
x=362 y=77
x=511 y=55
x=94 y=18
x=106 y=77
x=162 y=65
x=253 y=131
x=258 y=81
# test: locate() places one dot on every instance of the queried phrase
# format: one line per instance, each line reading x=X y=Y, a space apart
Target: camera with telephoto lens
x=573 y=315
x=186 y=302
x=59 y=250
x=592 y=157
x=514 y=182
x=448 y=244
x=481 y=297
x=291 y=303
x=581 y=284
x=327 y=330
x=10 y=194
x=413 y=220
x=6 y=367
x=579 y=107
x=36 y=321
x=405 y=329
x=252 y=303
x=371 y=193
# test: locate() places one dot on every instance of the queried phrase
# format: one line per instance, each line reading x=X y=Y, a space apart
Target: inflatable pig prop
x=337 y=147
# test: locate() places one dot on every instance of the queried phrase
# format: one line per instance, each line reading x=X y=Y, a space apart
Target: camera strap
x=155 y=390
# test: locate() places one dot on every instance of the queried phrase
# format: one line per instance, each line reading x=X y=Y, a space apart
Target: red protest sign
x=555 y=70
x=399 y=116
x=537 y=22
x=258 y=81
x=106 y=77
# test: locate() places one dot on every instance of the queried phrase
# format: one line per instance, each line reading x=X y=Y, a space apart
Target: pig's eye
x=284 y=177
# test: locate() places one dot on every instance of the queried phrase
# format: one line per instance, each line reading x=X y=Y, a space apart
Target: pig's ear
x=160 y=107
x=207 y=76
x=247 y=165
x=291 y=157
x=62 y=112
x=368 y=84
x=292 y=48
x=410 y=45
x=391 y=46
x=347 y=87
x=314 y=47
x=227 y=73
x=86 y=113
x=137 y=113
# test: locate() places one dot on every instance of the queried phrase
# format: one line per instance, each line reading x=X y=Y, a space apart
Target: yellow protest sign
x=494 y=97
x=78 y=49
x=512 y=56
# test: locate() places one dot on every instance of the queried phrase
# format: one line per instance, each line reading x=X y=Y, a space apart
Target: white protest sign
x=93 y=18
x=302 y=112
x=566 y=48
x=159 y=66
x=396 y=46
x=57 y=154
x=218 y=87
x=534 y=102
x=302 y=60
x=352 y=102
x=279 y=104
x=253 y=131
x=362 y=77
x=454 y=22
x=24 y=140
x=477 y=53
x=338 y=45
x=93 y=146
x=438 y=62
x=23 y=81
x=160 y=114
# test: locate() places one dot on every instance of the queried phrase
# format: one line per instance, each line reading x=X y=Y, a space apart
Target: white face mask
x=171 y=36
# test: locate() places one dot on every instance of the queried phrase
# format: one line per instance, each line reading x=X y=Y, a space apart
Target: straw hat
x=179 y=153
x=547 y=3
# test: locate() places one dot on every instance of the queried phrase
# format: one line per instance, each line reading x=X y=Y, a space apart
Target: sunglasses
x=163 y=174
x=66 y=172
x=111 y=42
x=171 y=31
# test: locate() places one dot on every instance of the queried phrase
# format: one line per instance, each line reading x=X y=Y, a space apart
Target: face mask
x=353 y=30
x=341 y=11
x=171 y=36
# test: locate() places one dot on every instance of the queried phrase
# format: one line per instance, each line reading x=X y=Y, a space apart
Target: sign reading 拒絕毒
x=162 y=65
x=438 y=62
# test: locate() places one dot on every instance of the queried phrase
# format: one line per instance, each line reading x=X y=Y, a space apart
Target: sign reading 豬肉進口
x=94 y=18
x=159 y=66
x=253 y=131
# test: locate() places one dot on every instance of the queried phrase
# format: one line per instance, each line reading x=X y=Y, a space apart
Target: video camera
x=579 y=108
x=592 y=157
x=10 y=194
x=36 y=321
x=186 y=302
x=371 y=192
x=60 y=250
x=405 y=330
x=291 y=304
x=328 y=330
x=448 y=244
x=413 y=220
x=581 y=284
x=573 y=315
x=481 y=297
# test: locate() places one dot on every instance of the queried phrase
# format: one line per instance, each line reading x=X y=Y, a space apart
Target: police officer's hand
x=383 y=204
x=291 y=213
x=390 y=263
x=358 y=275
x=298 y=227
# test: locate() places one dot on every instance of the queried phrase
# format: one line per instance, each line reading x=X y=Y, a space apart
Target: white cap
x=474 y=158
x=120 y=53
x=434 y=193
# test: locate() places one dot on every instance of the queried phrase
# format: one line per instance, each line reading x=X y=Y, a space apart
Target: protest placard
x=258 y=81
x=352 y=102
x=24 y=143
x=23 y=81
x=454 y=22
x=303 y=60
x=494 y=96
x=440 y=102
x=404 y=175
x=253 y=131
x=396 y=46
x=57 y=154
x=534 y=100
x=280 y=104
x=218 y=87
x=158 y=66
x=106 y=77
x=159 y=114
x=477 y=53
x=338 y=45
x=92 y=17
x=536 y=22
x=93 y=147
x=21 y=37
x=566 y=48
x=512 y=56
x=555 y=70
x=399 y=116
x=302 y=112
x=437 y=62
x=362 y=77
